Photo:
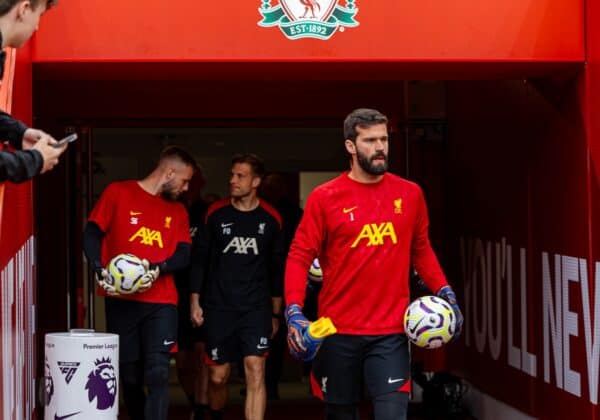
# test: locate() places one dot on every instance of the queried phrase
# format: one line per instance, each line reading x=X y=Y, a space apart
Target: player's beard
x=367 y=165
x=168 y=191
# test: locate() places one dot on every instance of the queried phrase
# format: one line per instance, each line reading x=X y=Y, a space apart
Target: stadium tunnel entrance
x=484 y=147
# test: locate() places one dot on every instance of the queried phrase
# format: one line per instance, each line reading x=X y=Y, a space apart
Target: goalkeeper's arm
x=449 y=296
x=178 y=261
x=92 y=243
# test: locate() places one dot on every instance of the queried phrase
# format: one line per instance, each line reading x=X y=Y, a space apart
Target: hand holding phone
x=68 y=139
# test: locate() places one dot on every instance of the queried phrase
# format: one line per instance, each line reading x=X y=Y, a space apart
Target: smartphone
x=68 y=139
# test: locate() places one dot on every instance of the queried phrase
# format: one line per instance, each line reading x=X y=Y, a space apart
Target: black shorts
x=187 y=334
x=142 y=327
x=232 y=334
x=346 y=363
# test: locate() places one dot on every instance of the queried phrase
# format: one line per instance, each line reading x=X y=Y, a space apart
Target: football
x=429 y=322
x=314 y=272
x=125 y=272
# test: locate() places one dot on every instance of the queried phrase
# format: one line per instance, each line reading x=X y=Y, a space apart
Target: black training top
x=243 y=252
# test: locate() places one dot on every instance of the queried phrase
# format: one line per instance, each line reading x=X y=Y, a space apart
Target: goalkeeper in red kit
x=144 y=218
x=367 y=227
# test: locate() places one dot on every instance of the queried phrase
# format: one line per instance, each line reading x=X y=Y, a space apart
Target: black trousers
x=147 y=332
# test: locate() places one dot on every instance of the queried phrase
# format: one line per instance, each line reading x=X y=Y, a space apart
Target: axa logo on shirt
x=241 y=245
x=148 y=237
x=375 y=234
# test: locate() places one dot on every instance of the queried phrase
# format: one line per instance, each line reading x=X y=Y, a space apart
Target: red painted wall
x=518 y=156
x=17 y=265
x=525 y=159
x=409 y=30
x=590 y=100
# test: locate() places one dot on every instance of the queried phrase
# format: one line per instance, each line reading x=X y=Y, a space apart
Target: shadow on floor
x=295 y=404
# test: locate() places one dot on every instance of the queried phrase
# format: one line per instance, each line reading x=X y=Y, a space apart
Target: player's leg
x=387 y=375
x=122 y=318
x=201 y=383
x=342 y=412
x=217 y=388
x=132 y=379
x=159 y=333
x=185 y=358
x=256 y=397
x=253 y=331
x=391 y=406
x=219 y=327
x=336 y=377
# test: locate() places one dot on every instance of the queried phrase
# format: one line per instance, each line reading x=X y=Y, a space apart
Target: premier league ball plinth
x=81 y=376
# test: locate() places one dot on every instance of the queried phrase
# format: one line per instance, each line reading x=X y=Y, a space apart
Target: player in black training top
x=238 y=265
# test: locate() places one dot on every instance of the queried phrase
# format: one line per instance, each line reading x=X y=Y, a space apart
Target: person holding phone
x=35 y=154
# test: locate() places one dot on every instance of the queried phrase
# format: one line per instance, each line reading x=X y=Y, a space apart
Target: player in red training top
x=143 y=218
x=366 y=226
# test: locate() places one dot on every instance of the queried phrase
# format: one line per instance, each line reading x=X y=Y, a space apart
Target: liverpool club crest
x=318 y=19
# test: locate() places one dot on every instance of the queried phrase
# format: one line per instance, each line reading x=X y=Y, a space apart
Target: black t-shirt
x=238 y=258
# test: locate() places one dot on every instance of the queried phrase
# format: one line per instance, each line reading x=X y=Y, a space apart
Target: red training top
x=364 y=236
x=145 y=225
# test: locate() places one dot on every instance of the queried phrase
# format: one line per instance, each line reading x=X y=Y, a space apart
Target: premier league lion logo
x=102 y=384
x=48 y=384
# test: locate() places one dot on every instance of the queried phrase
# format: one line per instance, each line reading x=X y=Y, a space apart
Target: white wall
x=310 y=180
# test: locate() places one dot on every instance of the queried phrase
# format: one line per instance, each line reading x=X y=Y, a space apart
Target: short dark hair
x=256 y=163
x=176 y=152
x=7 y=5
x=362 y=117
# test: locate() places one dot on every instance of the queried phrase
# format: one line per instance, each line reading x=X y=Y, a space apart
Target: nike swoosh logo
x=393 y=381
x=224 y=225
x=57 y=417
x=135 y=213
x=262 y=347
x=168 y=343
x=346 y=211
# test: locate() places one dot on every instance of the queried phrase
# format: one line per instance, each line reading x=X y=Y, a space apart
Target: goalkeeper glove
x=449 y=296
x=103 y=280
x=305 y=338
x=152 y=273
x=297 y=324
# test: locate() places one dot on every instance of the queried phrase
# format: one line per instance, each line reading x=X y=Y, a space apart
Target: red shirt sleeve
x=305 y=247
x=102 y=214
x=424 y=259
